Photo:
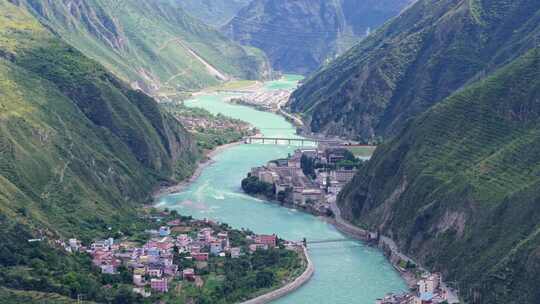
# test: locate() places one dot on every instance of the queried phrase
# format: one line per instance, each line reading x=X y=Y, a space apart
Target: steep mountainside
x=78 y=148
x=459 y=188
x=154 y=45
x=213 y=12
x=430 y=51
x=299 y=36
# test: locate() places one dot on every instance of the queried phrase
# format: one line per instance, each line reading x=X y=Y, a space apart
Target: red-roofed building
x=188 y=274
x=270 y=240
x=200 y=257
x=159 y=285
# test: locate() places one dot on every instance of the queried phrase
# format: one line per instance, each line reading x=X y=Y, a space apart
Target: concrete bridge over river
x=288 y=140
x=307 y=242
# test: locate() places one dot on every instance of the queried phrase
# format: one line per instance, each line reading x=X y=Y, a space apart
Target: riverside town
x=310 y=179
x=179 y=255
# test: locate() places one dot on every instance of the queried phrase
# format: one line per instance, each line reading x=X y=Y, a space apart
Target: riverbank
x=215 y=195
x=201 y=165
x=274 y=294
x=290 y=287
x=390 y=248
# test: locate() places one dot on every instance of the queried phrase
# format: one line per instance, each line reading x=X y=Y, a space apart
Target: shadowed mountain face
x=154 y=45
x=299 y=36
x=459 y=187
x=427 y=53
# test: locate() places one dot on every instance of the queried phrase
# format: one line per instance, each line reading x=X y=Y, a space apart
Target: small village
x=430 y=290
x=198 y=120
x=309 y=179
x=270 y=101
x=180 y=250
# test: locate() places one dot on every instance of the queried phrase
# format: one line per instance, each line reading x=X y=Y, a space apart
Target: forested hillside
x=430 y=51
x=79 y=150
x=299 y=36
x=459 y=187
x=154 y=45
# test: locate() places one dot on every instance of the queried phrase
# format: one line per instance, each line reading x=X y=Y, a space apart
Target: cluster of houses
x=430 y=290
x=194 y=123
x=264 y=100
x=153 y=264
x=315 y=192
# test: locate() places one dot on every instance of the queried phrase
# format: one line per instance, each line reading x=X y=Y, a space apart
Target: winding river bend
x=345 y=273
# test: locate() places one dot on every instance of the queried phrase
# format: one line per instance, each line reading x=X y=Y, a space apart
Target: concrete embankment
x=289 y=288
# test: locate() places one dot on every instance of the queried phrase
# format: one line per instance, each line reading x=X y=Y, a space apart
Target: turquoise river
x=347 y=272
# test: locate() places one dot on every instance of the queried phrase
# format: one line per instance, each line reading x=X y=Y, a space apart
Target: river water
x=346 y=272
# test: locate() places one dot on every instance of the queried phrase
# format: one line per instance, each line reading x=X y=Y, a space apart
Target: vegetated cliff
x=428 y=52
x=459 y=187
x=299 y=36
x=79 y=149
x=154 y=45
x=213 y=12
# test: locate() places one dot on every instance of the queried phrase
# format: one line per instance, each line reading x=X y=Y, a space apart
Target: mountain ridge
x=417 y=59
x=128 y=37
x=458 y=188
x=300 y=36
x=76 y=141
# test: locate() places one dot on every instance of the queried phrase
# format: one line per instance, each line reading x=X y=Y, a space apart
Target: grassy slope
x=8 y=296
x=79 y=149
x=414 y=61
x=459 y=188
x=213 y=12
x=135 y=39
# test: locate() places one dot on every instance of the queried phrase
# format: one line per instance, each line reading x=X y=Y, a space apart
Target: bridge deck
x=288 y=139
x=330 y=241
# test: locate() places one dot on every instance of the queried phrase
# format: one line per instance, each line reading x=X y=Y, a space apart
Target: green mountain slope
x=213 y=12
x=79 y=149
x=427 y=53
x=459 y=188
x=154 y=45
x=299 y=36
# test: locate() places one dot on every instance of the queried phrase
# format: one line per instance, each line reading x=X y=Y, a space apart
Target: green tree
x=264 y=279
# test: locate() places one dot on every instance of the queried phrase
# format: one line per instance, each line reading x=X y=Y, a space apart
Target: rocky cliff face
x=430 y=51
x=459 y=187
x=154 y=45
x=299 y=36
